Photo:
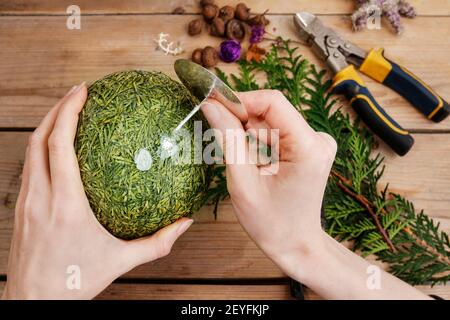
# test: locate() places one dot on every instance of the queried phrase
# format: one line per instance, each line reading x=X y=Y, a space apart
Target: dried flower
x=230 y=50
x=168 y=47
x=259 y=19
x=255 y=53
x=390 y=9
x=257 y=33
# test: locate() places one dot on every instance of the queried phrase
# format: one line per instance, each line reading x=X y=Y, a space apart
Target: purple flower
x=230 y=50
x=257 y=34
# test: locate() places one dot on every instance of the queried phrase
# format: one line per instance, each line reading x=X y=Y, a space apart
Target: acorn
x=210 y=11
x=217 y=27
x=197 y=56
x=242 y=12
x=195 y=26
x=210 y=57
x=226 y=13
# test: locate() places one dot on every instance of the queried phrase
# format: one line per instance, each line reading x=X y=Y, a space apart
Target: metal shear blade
x=326 y=43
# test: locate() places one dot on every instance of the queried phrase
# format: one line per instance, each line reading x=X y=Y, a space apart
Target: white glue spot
x=143 y=160
x=168 y=147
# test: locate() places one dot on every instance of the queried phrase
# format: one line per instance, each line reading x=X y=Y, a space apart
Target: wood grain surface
x=205 y=251
x=424 y=7
x=40 y=59
x=144 y=291
x=38 y=66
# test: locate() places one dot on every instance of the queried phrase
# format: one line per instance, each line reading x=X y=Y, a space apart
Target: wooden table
x=40 y=59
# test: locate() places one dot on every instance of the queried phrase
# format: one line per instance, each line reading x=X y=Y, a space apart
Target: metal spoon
x=204 y=84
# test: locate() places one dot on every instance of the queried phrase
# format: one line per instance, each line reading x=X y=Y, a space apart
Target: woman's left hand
x=59 y=250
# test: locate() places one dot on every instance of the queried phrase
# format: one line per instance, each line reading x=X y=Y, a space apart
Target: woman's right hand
x=279 y=205
x=281 y=210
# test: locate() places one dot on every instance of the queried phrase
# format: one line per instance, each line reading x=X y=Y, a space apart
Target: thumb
x=157 y=245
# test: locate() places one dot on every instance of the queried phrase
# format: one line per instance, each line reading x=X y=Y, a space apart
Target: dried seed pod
x=210 y=11
x=196 y=26
x=217 y=28
x=235 y=29
x=242 y=12
x=259 y=19
x=210 y=57
x=206 y=2
x=197 y=56
x=178 y=10
x=226 y=13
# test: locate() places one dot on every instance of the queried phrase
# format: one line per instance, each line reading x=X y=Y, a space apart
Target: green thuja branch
x=380 y=223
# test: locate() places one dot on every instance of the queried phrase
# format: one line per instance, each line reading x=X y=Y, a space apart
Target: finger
x=232 y=138
x=158 y=245
x=62 y=158
x=23 y=189
x=271 y=107
x=38 y=144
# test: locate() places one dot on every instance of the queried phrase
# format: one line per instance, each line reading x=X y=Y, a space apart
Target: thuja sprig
x=380 y=223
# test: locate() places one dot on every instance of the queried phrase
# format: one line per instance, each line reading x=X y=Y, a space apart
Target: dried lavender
x=257 y=34
x=392 y=10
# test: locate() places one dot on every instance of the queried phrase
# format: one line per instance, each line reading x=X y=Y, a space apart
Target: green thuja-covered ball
x=133 y=185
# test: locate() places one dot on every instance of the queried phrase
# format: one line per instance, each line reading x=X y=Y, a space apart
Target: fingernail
x=184 y=226
x=78 y=88
x=70 y=91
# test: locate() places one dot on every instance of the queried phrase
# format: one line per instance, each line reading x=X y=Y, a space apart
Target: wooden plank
x=209 y=249
x=221 y=249
x=197 y=292
x=142 y=291
x=421 y=176
x=224 y=292
x=41 y=59
x=435 y=7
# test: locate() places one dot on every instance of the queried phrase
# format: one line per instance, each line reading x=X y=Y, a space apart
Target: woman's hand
x=59 y=250
x=281 y=211
x=280 y=206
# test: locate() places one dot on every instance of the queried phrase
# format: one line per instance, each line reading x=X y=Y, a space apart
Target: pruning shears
x=343 y=56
